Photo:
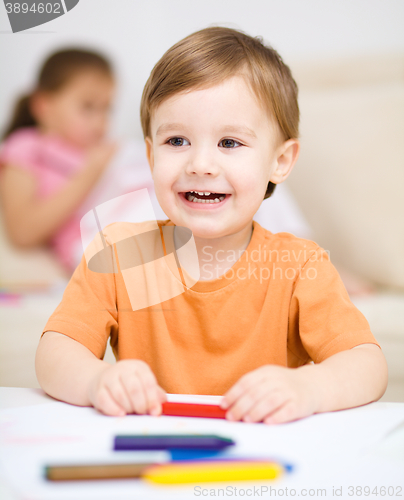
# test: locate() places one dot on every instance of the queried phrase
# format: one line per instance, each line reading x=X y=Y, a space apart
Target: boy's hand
x=129 y=386
x=273 y=394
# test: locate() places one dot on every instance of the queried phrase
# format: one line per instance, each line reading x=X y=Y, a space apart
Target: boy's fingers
x=264 y=407
x=155 y=403
x=246 y=402
x=286 y=413
x=162 y=394
x=232 y=395
x=136 y=393
x=151 y=389
x=108 y=405
x=120 y=395
x=239 y=388
x=145 y=373
x=131 y=395
x=156 y=396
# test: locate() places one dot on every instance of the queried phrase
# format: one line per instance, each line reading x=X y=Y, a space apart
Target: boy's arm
x=349 y=378
x=65 y=368
x=277 y=394
x=68 y=371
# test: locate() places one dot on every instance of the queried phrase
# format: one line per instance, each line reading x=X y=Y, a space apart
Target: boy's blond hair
x=210 y=56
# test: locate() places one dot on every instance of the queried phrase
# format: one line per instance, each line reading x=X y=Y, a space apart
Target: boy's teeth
x=194 y=199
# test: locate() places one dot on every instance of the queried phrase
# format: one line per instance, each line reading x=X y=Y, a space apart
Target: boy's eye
x=177 y=141
x=229 y=143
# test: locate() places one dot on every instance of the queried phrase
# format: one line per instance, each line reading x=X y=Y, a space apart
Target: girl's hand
x=129 y=386
x=99 y=156
x=272 y=394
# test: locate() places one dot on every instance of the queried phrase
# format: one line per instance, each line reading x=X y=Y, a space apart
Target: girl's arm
x=31 y=221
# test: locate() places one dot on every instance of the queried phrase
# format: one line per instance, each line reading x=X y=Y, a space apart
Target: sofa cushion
x=349 y=178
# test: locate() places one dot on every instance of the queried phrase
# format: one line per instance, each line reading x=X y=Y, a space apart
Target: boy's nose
x=202 y=163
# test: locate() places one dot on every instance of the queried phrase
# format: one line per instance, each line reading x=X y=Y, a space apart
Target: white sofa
x=349 y=183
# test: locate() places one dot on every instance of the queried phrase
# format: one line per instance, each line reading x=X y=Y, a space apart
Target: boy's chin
x=208 y=230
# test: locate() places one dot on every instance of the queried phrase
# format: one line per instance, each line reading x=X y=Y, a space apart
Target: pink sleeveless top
x=52 y=162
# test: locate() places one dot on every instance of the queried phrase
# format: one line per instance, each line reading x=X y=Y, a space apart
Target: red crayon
x=193 y=410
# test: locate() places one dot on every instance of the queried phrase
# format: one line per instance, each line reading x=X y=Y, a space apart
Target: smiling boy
x=220 y=119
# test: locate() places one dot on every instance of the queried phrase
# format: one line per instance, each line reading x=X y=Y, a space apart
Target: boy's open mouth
x=204 y=196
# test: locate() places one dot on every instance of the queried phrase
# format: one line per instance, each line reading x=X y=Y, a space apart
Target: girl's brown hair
x=208 y=57
x=56 y=71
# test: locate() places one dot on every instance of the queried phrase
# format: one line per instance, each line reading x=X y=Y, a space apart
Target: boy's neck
x=218 y=255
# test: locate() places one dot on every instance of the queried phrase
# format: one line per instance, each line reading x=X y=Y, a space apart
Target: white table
x=316 y=450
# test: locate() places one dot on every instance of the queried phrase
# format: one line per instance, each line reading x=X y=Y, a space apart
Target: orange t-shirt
x=282 y=302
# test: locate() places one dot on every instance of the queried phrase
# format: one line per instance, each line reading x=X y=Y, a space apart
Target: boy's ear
x=149 y=153
x=287 y=156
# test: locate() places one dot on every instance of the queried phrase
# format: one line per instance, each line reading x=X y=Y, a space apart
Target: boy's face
x=216 y=140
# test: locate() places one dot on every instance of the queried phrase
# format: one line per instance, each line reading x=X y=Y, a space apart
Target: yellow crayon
x=214 y=471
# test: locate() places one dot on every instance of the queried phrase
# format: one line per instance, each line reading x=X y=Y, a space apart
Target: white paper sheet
x=327 y=449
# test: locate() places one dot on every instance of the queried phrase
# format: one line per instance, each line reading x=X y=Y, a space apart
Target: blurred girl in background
x=55 y=150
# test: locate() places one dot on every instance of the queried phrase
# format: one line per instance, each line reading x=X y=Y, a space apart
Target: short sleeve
x=323 y=320
x=88 y=311
x=20 y=149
